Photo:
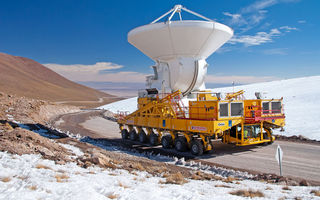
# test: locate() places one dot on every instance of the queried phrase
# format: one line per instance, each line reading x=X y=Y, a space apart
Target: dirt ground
x=26 y=110
x=88 y=123
x=20 y=141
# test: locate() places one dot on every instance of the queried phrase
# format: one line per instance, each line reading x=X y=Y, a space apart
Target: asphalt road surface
x=300 y=160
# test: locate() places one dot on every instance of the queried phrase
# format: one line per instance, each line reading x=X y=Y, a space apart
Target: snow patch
x=26 y=181
x=127 y=105
x=75 y=150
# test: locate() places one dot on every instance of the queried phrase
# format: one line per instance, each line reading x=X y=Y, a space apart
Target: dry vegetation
x=23 y=177
x=247 y=193
x=229 y=179
x=137 y=166
x=286 y=188
x=198 y=175
x=33 y=187
x=268 y=188
x=113 y=196
x=176 y=178
x=41 y=166
x=6 y=179
x=225 y=186
x=315 y=192
x=61 y=178
x=123 y=185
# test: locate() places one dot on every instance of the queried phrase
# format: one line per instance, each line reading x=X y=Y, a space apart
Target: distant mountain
x=25 y=77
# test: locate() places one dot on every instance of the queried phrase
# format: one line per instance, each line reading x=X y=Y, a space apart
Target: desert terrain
x=25 y=77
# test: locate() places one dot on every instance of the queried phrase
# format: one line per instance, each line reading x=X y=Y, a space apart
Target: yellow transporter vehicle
x=232 y=119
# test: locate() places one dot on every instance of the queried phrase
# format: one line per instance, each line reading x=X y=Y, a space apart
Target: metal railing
x=259 y=115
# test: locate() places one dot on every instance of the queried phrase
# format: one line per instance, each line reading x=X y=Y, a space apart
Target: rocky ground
x=26 y=110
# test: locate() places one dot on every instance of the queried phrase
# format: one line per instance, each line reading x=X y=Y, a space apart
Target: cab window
x=276 y=107
x=223 y=110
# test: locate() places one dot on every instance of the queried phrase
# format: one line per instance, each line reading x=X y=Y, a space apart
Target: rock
x=304 y=183
x=45 y=152
x=60 y=162
x=292 y=182
x=100 y=159
x=282 y=180
x=87 y=164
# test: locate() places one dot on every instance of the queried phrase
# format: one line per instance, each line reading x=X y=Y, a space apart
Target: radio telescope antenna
x=180 y=49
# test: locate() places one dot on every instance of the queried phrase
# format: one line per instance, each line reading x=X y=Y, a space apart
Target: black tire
x=133 y=135
x=124 y=134
x=196 y=147
x=142 y=136
x=180 y=144
x=269 y=143
x=265 y=136
x=153 y=139
x=166 y=142
x=262 y=144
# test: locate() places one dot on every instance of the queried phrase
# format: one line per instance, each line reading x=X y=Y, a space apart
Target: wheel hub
x=195 y=148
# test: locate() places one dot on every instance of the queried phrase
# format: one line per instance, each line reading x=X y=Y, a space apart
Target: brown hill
x=25 y=77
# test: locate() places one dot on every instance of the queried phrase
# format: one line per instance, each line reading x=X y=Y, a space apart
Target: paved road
x=301 y=160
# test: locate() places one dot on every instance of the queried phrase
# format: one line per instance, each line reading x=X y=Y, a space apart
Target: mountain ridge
x=25 y=77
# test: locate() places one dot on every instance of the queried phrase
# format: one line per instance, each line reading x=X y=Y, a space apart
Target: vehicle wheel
x=142 y=136
x=270 y=142
x=133 y=135
x=166 y=142
x=124 y=134
x=153 y=139
x=196 y=147
x=181 y=144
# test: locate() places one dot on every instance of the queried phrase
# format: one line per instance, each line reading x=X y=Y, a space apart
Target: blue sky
x=274 y=39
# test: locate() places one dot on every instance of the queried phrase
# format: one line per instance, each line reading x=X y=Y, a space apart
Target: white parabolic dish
x=188 y=38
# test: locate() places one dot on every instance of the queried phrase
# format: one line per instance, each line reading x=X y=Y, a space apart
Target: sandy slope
x=26 y=77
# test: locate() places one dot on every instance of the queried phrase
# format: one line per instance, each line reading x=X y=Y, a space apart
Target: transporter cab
x=233 y=120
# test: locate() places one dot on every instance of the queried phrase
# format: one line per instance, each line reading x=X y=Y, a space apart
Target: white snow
x=301 y=96
x=73 y=149
x=26 y=181
x=127 y=105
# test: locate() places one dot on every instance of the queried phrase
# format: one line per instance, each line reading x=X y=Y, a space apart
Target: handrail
x=259 y=115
